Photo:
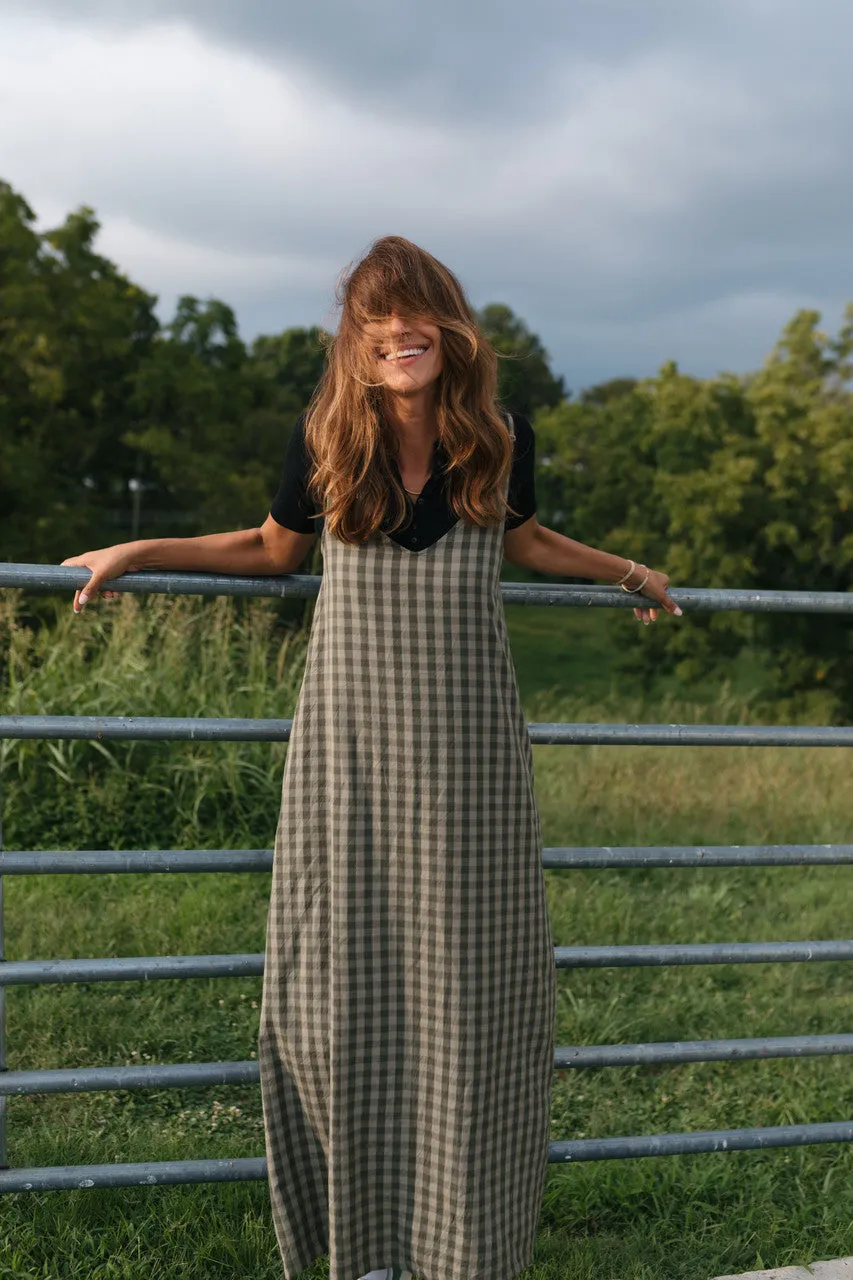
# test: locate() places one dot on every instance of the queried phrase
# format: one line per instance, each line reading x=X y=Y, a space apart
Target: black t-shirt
x=432 y=516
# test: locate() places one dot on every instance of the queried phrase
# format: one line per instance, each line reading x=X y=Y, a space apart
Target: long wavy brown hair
x=348 y=439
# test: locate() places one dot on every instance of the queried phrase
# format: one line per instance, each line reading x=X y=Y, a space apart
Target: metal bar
x=109 y=861
x=112 y=861
x=30 y=972
x=675 y=1144
x=180 y=1075
x=146 y=728
x=173 y=1075
x=701 y=953
x=691 y=599
x=213 y=729
x=251 y=1168
x=723 y=855
x=586 y=595
x=111 y=969
x=48 y=577
x=149 y=1173
x=691 y=735
x=674 y=1051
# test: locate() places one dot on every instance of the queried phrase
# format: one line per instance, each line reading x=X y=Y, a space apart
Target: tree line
x=114 y=424
x=109 y=418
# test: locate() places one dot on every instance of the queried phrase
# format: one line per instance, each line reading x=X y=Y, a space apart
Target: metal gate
x=16 y=1083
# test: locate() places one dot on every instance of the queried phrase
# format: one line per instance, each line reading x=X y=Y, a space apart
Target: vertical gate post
x=4 y=1158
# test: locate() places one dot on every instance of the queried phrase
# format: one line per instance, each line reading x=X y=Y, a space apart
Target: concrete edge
x=830 y=1269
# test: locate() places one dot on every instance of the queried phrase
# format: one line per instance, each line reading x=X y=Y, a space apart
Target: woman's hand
x=109 y=562
x=655 y=587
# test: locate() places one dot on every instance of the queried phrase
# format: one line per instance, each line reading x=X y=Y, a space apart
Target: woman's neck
x=414 y=422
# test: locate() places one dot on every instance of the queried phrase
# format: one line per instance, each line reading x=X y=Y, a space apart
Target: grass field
x=671 y=1218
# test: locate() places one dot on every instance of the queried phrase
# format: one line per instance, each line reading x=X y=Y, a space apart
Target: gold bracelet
x=625 y=576
x=642 y=584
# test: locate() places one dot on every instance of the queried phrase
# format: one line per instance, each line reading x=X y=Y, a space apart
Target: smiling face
x=406 y=351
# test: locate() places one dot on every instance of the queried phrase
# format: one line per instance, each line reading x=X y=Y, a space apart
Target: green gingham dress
x=406 y=1042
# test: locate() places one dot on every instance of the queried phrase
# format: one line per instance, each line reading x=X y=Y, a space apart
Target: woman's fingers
x=89 y=593
x=102 y=565
x=656 y=588
x=83 y=594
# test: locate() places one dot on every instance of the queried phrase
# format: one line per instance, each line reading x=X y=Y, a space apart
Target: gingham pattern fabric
x=406 y=1041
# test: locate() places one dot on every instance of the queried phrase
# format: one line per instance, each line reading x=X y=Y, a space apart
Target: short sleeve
x=522 y=481
x=292 y=505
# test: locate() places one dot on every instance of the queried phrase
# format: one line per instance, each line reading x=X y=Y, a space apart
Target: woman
x=407 y=1025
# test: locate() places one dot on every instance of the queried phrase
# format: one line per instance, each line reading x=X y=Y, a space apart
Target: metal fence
x=16 y=1083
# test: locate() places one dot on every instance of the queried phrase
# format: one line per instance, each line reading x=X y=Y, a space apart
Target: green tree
x=802 y=454
x=189 y=402
x=612 y=389
x=290 y=365
x=727 y=482
x=215 y=418
x=526 y=382
x=94 y=394
x=73 y=334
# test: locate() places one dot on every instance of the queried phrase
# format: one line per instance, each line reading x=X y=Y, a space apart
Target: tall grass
x=160 y=656
x=675 y=1218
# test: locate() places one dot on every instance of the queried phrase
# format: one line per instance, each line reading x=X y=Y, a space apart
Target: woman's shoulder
x=524 y=434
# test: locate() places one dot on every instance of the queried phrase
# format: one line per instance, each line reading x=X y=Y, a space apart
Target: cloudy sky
x=638 y=179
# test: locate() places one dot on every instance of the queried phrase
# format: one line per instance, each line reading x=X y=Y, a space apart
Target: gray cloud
x=638 y=182
x=480 y=59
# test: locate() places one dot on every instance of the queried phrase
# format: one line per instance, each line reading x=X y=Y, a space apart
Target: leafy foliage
x=735 y=481
x=526 y=382
x=94 y=393
x=726 y=482
x=73 y=334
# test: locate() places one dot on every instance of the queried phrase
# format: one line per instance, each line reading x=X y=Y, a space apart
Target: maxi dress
x=406 y=1043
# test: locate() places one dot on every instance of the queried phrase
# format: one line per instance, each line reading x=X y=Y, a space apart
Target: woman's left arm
x=533 y=546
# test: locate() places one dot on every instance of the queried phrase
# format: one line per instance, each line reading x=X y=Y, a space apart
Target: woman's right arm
x=271 y=549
